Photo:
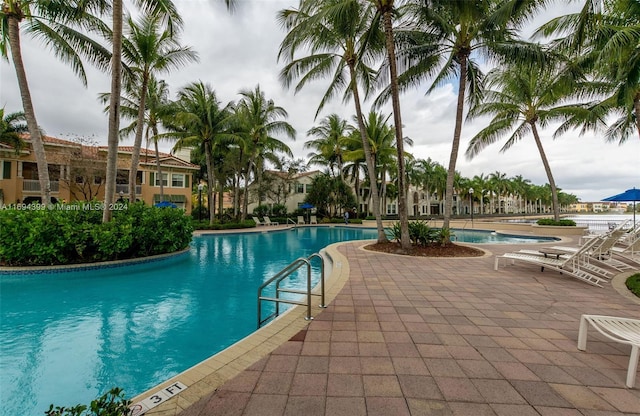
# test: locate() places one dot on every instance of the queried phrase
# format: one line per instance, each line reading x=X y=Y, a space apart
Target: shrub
x=74 y=233
x=633 y=284
x=419 y=233
x=279 y=210
x=560 y=223
x=261 y=210
x=112 y=403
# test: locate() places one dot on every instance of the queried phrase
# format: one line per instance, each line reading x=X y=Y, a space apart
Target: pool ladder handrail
x=283 y=274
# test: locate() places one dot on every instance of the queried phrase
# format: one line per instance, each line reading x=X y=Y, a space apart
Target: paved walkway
x=425 y=336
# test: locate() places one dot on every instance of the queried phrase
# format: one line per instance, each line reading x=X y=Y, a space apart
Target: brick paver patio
x=425 y=336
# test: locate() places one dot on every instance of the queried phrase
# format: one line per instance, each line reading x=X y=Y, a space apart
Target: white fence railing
x=33 y=185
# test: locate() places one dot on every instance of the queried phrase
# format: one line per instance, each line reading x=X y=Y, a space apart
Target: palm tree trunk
x=114 y=111
x=158 y=168
x=29 y=112
x=405 y=241
x=547 y=169
x=451 y=172
x=137 y=143
x=210 y=177
x=636 y=107
x=382 y=237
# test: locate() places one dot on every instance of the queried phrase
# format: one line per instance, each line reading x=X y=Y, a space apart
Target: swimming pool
x=66 y=338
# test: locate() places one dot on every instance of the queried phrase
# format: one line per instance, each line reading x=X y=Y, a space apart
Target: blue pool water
x=66 y=338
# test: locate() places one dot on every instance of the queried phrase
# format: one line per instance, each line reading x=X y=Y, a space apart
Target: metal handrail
x=283 y=274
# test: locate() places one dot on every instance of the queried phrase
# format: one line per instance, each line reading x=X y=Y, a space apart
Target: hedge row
x=68 y=234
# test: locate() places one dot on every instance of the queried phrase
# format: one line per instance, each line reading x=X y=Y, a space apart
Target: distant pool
x=67 y=337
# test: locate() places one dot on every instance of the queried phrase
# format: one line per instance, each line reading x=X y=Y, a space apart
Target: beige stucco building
x=77 y=172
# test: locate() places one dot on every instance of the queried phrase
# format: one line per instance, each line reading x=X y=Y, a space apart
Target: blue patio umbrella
x=630 y=195
x=307 y=206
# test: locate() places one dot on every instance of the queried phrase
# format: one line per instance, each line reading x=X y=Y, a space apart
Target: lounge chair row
x=267 y=220
x=592 y=262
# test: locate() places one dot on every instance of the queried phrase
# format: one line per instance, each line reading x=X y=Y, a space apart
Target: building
x=77 y=173
x=281 y=188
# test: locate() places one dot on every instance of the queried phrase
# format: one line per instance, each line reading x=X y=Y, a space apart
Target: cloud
x=239 y=51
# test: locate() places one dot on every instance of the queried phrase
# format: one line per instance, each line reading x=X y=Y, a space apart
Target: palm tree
x=55 y=22
x=525 y=96
x=342 y=44
x=149 y=50
x=12 y=127
x=329 y=143
x=259 y=120
x=167 y=10
x=456 y=35
x=199 y=120
x=605 y=36
x=386 y=9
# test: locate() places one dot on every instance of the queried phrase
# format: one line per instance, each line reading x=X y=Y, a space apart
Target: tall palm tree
x=386 y=9
x=149 y=49
x=12 y=126
x=524 y=97
x=458 y=35
x=329 y=143
x=199 y=120
x=57 y=23
x=341 y=44
x=259 y=121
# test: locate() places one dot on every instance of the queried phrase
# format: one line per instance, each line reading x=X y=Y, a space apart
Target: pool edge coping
x=206 y=376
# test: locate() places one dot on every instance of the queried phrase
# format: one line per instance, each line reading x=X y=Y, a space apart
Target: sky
x=239 y=51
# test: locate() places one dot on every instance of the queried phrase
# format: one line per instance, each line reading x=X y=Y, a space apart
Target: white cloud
x=239 y=51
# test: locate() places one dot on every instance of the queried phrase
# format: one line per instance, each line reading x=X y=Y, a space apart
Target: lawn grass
x=633 y=284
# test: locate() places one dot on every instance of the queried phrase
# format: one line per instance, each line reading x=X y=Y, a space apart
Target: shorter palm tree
x=199 y=120
x=12 y=126
x=329 y=143
x=524 y=97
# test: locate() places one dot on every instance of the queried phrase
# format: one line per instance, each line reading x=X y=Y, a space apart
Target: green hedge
x=74 y=233
x=560 y=223
x=204 y=225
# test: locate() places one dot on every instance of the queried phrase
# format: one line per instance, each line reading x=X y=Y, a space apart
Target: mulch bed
x=430 y=250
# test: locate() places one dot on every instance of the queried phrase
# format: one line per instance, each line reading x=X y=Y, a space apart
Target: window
x=156 y=182
x=5 y=171
x=299 y=188
x=391 y=209
x=309 y=187
x=97 y=180
x=80 y=180
x=177 y=180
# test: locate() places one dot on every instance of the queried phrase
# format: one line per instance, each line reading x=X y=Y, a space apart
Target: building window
x=156 y=181
x=308 y=188
x=5 y=171
x=177 y=180
x=97 y=180
x=299 y=188
x=391 y=209
x=80 y=180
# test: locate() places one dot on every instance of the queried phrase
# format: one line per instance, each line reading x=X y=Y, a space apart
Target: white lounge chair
x=269 y=222
x=623 y=330
x=313 y=220
x=601 y=252
x=301 y=219
x=257 y=221
x=629 y=253
x=573 y=264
